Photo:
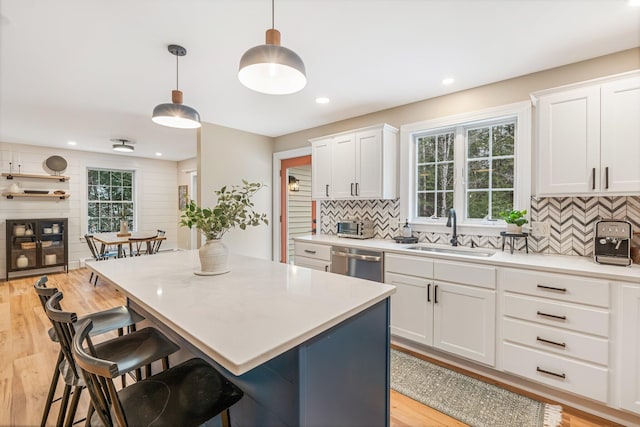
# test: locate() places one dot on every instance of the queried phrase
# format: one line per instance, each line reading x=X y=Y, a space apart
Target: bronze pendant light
x=271 y=68
x=176 y=114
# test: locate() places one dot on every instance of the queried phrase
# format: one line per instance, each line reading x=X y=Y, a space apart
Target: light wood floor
x=27 y=355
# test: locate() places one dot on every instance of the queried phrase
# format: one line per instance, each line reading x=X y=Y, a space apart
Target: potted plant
x=515 y=219
x=233 y=208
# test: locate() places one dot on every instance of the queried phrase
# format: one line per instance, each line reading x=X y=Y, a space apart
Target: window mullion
x=459 y=179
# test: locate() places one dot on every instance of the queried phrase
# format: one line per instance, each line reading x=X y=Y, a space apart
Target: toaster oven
x=355 y=229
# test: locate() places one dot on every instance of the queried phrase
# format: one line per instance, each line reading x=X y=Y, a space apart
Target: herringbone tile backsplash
x=571 y=221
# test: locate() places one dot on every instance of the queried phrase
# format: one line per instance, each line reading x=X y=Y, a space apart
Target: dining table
x=116 y=239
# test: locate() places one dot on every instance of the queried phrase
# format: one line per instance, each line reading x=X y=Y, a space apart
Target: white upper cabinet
x=361 y=164
x=620 y=135
x=589 y=139
x=321 y=168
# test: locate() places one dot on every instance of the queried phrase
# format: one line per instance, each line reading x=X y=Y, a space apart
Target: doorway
x=297 y=210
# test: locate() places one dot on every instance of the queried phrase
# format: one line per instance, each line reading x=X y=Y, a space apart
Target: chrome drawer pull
x=539 y=313
x=309 y=251
x=563 y=376
x=559 y=344
x=551 y=288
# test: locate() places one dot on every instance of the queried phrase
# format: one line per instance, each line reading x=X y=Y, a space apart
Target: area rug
x=467 y=399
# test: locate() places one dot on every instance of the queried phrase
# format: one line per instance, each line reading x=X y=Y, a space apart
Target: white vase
x=214 y=258
x=22 y=261
x=513 y=228
x=124 y=227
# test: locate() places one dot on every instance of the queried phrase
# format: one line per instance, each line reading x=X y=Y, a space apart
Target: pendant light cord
x=177 y=71
x=273 y=14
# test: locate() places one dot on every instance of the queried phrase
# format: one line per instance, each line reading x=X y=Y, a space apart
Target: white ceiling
x=89 y=70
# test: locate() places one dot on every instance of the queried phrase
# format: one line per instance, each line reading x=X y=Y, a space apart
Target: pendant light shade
x=271 y=68
x=176 y=114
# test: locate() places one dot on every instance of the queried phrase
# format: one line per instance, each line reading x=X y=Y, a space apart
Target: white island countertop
x=248 y=316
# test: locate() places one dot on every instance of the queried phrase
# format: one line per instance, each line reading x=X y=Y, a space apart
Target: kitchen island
x=308 y=348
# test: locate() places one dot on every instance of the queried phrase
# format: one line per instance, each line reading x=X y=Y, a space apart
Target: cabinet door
x=343 y=174
x=569 y=142
x=368 y=164
x=620 y=140
x=321 y=169
x=629 y=373
x=464 y=321
x=411 y=308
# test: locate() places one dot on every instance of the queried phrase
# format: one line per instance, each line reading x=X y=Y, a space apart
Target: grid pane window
x=490 y=170
x=434 y=174
x=110 y=199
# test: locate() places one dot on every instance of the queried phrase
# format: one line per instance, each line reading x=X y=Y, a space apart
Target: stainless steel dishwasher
x=361 y=263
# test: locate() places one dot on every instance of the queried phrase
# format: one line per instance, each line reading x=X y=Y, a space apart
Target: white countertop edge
x=550 y=263
x=247 y=365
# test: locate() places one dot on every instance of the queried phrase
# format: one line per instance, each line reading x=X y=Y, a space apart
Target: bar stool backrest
x=43 y=292
x=98 y=374
x=63 y=325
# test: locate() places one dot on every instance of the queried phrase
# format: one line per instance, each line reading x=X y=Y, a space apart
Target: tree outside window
x=434 y=174
x=490 y=170
x=110 y=199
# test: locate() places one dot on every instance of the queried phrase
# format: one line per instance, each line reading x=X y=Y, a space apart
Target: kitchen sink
x=454 y=250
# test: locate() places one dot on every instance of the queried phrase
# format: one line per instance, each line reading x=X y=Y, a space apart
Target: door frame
x=277 y=159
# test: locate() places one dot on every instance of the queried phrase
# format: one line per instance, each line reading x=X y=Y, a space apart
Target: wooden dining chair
x=155 y=244
x=97 y=255
x=140 y=246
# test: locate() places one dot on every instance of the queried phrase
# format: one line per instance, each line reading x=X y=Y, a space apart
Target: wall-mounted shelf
x=46 y=196
x=60 y=178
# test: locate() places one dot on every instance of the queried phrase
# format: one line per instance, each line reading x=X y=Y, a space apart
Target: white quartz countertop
x=577 y=265
x=246 y=317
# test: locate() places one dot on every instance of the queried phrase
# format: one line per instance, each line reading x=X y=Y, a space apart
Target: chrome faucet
x=454 y=236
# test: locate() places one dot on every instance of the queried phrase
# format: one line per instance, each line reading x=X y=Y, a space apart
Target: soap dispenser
x=406 y=230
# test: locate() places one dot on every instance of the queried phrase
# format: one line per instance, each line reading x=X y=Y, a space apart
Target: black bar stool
x=130 y=352
x=116 y=318
x=188 y=394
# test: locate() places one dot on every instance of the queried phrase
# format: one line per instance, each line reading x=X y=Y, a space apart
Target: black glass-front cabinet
x=36 y=243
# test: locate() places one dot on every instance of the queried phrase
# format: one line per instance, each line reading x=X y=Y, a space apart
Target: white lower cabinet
x=464 y=321
x=629 y=348
x=455 y=317
x=316 y=257
x=555 y=330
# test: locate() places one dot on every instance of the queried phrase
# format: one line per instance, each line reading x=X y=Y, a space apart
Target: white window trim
x=522 y=178
x=85 y=196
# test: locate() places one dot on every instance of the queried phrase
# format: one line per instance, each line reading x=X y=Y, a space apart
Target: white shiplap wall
x=299 y=207
x=156 y=194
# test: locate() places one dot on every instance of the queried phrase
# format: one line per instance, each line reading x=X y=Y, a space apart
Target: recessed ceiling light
x=322 y=100
x=634 y=2
x=158 y=154
x=71 y=143
x=448 y=81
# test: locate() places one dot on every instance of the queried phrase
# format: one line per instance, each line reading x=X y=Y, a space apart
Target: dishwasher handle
x=372 y=258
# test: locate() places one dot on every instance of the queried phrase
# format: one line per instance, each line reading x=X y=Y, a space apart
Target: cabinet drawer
x=311 y=250
x=467 y=274
x=412 y=266
x=579 y=377
x=558 y=341
x=556 y=286
x=316 y=264
x=558 y=314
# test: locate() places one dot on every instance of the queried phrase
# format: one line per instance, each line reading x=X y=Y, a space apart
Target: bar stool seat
x=188 y=394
